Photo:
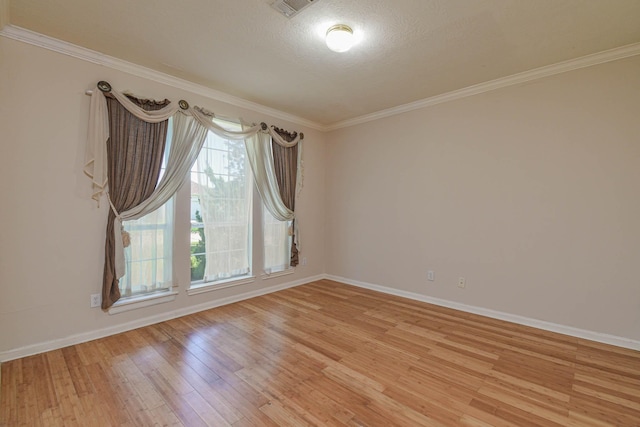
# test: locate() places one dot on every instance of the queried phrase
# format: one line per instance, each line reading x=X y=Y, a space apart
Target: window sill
x=134 y=303
x=222 y=284
x=280 y=273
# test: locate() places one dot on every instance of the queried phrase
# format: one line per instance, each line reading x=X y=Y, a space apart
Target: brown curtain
x=134 y=151
x=286 y=167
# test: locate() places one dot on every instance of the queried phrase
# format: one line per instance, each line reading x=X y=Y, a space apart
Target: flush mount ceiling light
x=339 y=38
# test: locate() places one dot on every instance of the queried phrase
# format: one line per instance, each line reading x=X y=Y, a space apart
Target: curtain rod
x=106 y=87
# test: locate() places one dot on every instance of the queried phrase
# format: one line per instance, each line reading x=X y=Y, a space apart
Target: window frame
x=181 y=268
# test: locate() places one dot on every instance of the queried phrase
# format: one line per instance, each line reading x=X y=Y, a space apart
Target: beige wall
x=4 y=13
x=531 y=192
x=52 y=234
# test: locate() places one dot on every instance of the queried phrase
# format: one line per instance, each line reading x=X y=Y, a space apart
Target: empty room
x=320 y=213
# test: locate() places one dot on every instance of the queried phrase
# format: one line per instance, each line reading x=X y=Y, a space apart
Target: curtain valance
x=283 y=142
x=98 y=133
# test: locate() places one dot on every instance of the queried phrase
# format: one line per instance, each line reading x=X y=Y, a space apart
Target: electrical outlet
x=304 y=260
x=462 y=283
x=95 y=300
x=431 y=276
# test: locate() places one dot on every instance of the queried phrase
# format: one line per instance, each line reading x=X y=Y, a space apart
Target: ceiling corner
x=4 y=13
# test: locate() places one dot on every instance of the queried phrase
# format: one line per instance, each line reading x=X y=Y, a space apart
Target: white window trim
x=219 y=284
x=134 y=303
x=280 y=273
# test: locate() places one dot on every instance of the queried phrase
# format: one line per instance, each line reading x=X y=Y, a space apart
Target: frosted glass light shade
x=339 y=38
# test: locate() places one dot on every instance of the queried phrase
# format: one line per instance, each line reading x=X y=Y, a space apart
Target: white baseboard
x=29 y=350
x=32 y=349
x=513 y=318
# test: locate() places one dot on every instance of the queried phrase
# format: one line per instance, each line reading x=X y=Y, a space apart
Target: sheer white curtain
x=223 y=189
x=187 y=139
x=260 y=158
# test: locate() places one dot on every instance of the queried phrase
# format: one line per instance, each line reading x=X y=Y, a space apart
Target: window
x=221 y=190
x=222 y=235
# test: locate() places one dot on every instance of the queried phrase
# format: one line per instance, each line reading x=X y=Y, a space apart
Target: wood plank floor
x=326 y=354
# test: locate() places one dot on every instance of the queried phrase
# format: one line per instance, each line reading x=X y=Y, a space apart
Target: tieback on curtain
x=126 y=237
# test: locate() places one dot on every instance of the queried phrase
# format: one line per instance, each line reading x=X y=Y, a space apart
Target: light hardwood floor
x=327 y=354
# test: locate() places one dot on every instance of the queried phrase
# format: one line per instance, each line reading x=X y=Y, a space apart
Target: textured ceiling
x=408 y=49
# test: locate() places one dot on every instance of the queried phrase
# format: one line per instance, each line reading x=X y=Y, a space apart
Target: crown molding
x=65 y=48
x=537 y=73
x=79 y=52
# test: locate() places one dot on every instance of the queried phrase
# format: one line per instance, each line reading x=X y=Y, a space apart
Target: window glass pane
x=198 y=259
x=149 y=257
x=277 y=243
x=220 y=210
